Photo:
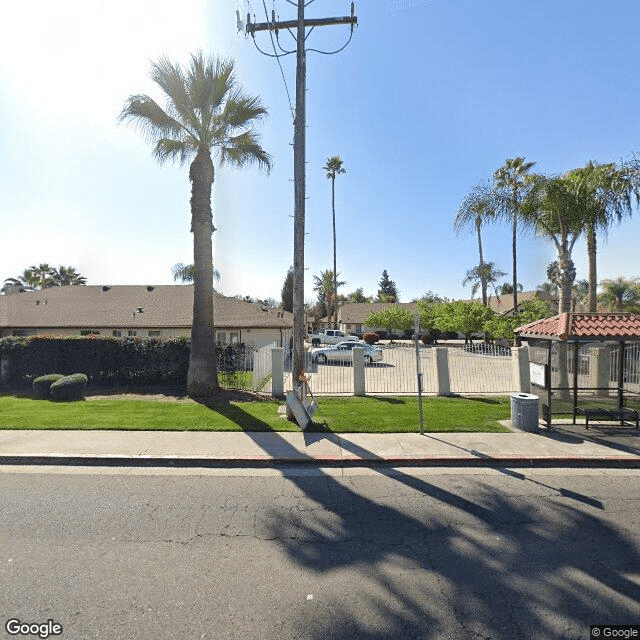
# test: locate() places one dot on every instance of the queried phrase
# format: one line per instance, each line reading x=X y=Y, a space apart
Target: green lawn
x=340 y=415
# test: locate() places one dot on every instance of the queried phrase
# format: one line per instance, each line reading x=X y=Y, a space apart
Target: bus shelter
x=586 y=364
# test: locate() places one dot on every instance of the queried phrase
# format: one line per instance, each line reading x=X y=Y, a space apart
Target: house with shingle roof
x=137 y=310
x=353 y=316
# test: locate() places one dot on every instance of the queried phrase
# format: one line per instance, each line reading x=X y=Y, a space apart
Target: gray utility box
x=525 y=411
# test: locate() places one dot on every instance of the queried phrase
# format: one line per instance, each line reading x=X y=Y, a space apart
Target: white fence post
x=442 y=371
x=358 y=372
x=520 y=360
x=277 y=372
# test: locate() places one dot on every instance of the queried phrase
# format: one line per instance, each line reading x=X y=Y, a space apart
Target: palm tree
x=334 y=167
x=511 y=180
x=477 y=208
x=482 y=276
x=324 y=284
x=186 y=272
x=580 y=293
x=611 y=189
x=205 y=110
x=67 y=276
x=556 y=210
x=621 y=294
x=506 y=288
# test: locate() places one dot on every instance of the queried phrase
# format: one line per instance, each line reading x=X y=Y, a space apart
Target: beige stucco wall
x=256 y=337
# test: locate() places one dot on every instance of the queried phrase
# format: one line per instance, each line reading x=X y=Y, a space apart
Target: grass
x=339 y=415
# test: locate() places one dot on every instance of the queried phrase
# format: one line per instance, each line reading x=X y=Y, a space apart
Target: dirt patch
x=226 y=396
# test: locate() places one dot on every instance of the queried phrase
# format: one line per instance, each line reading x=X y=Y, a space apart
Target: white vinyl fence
x=443 y=369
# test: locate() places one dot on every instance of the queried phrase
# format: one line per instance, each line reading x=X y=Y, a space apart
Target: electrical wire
x=277 y=57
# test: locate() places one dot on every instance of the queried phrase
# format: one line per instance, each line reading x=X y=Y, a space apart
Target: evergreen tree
x=287 y=291
x=388 y=291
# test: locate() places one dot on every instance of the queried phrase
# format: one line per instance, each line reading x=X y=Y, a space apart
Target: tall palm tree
x=334 y=167
x=556 y=210
x=611 y=189
x=187 y=272
x=205 y=111
x=482 y=276
x=324 y=284
x=476 y=209
x=511 y=180
x=621 y=294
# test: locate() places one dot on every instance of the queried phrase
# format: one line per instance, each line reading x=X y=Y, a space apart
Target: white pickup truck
x=330 y=336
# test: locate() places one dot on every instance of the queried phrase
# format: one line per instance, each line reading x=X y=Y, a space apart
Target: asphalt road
x=319 y=555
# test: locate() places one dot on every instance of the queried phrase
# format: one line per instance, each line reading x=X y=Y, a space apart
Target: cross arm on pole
x=252 y=27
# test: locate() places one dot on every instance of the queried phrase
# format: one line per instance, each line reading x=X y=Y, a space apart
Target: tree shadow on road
x=527 y=561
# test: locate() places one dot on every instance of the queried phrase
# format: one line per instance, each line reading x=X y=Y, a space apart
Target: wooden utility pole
x=299 y=163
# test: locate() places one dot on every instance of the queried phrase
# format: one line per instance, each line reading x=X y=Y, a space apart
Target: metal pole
x=419 y=373
x=299 y=158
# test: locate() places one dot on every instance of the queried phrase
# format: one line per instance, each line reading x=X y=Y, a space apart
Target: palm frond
x=150 y=118
x=240 y=111
x=245 y=149
x=479 y=206
x=171 y=79
x=169 y=149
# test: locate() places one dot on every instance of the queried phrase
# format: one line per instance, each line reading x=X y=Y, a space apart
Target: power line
x=277 y=56
x=299 y=151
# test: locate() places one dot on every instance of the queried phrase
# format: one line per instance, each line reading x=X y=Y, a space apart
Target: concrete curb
x=615 y=462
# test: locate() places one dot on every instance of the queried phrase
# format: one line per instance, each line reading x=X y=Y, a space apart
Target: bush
x=69 y=388
x=41 y=386
x=371 y=338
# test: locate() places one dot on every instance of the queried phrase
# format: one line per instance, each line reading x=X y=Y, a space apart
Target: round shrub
x=42 y=384
x=371 y=338
x=69 y=388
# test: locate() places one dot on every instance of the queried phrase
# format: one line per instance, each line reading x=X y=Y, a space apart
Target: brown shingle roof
x=596 y=326
x=128 y=306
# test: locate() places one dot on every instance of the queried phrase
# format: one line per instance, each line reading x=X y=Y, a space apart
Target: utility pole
x=299 y=158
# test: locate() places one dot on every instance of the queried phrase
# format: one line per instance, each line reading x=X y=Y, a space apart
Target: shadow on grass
x=244 y=420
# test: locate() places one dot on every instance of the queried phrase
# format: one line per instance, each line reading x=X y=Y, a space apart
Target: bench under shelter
x=586 y=364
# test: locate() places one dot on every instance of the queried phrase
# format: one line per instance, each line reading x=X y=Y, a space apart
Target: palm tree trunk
x=593 y=274
x=483 y=279
x=567 y=277
x=514 y=252
x=335 y=272
x=202 y=380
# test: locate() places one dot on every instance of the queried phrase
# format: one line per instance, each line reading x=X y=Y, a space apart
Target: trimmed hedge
x=371 y=338
x=112 y=362
x=42 y=385
x=69 y=388
x=106 y=361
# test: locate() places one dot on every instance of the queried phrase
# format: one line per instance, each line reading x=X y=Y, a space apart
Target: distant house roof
x=358 y=312
x=129 y=306
x=584 y=326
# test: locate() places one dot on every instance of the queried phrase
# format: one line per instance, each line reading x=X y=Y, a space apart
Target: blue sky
x=429 y=98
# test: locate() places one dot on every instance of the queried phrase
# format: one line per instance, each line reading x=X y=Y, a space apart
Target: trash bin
x=525 y=411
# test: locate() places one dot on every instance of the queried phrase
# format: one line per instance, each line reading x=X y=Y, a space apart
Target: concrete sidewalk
x=209 y=449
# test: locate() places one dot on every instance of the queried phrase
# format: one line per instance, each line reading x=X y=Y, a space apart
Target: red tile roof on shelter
x=584 y=326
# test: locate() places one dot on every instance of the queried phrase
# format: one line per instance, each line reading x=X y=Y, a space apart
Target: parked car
x=343 y=352
x=329 y=336
x=487 y=349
